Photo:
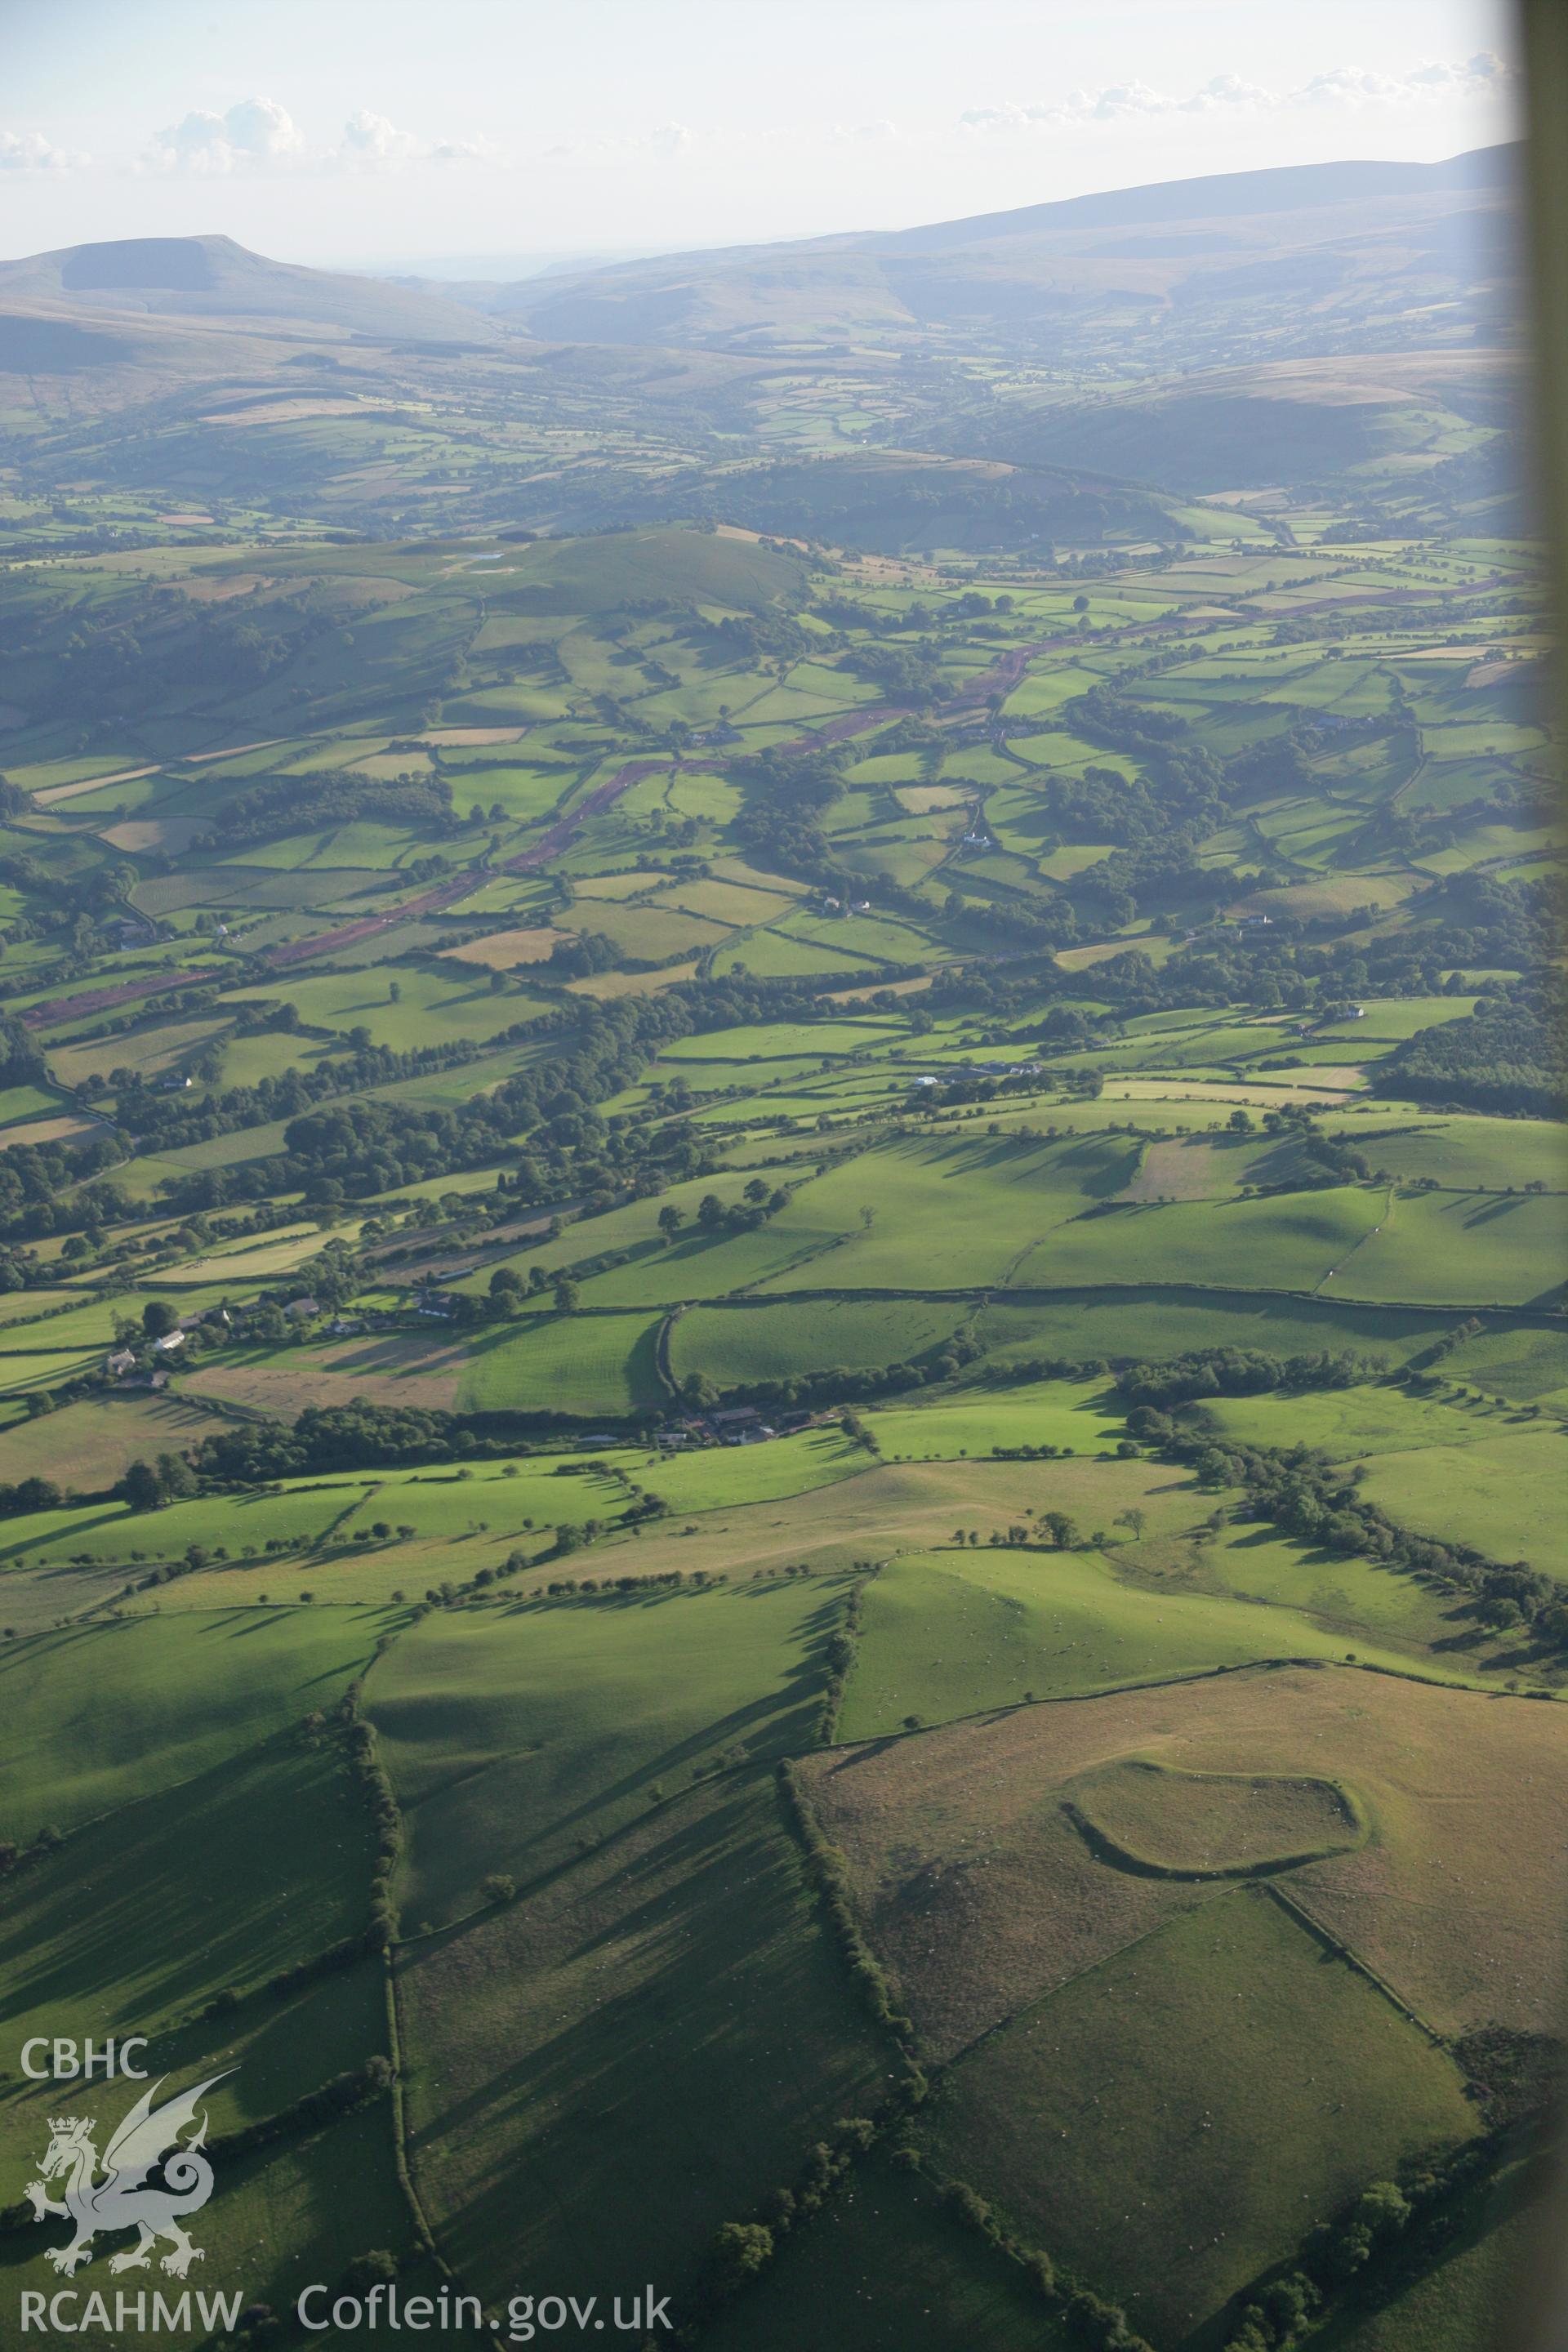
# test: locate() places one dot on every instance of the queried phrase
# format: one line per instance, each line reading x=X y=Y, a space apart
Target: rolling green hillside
x=782 y=1269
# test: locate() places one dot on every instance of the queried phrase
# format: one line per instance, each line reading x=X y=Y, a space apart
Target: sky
x=398 y=134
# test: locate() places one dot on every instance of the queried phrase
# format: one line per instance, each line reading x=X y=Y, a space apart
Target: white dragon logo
x=147 y=2141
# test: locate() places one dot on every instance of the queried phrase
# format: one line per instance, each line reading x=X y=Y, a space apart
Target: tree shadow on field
x=1490 y=1210
x=29 y=1648
x=203 y=1886
x=680 y=1992
x=777 y=1721
x=67 y=1536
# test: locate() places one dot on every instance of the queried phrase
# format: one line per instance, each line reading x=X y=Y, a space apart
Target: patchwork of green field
x=1189 y=1849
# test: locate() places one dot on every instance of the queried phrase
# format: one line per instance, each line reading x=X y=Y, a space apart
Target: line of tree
x=1239 y=1371
x=1319 y=1500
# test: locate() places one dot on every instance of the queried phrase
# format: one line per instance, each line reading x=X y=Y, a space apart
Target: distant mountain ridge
x=1303 y=231
x=1285 y=187
x=214 y=278
x=1027 y=273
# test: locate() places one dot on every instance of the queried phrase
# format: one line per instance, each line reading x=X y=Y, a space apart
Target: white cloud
x=1118 y=102
x=260 y=135
x=29 y=150
x=863 y=132
x=370 y=142
x=1343 y=86
x=1227 y=91
x=255 y=135
x=1476 y=76
x=666 y=140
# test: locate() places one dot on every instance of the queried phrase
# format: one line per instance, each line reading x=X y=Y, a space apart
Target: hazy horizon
x=337 y=139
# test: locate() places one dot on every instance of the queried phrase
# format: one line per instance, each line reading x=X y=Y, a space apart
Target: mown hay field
x=386 y=1368
x=780 y=1339
x=579 y=1364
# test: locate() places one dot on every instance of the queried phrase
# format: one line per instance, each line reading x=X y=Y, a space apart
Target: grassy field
x=1498 y=1490
x=778 y=1340
x=431 y=1004
x=1075 y=1417
x=951 y=1632
x=1150 y=1818
x=886 y=2268
x=733 y=1476
x=1350 y=1423
x=1479 y=2280
x=1466 y=1154
x=1296 y=1244
x=1285 y=2082
x=1148 y=1321
x=516 y=1736
x=1461 y=1249
x=579 y=1364
x=95 y=1441
x=171 y=1697
x=1523 y=1362
x=681 y=1975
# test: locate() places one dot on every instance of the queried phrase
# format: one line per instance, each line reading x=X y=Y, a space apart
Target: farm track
x=1387 y=1218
